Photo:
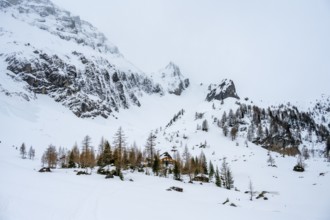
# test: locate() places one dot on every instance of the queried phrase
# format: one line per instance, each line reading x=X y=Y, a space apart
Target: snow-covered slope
x=68 y=59
x=55 y=67
x=64 y=195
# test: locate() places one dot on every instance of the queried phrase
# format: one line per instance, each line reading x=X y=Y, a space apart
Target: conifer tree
x=327 y=148
x=225 y=130
x=211 y=170
x=260 y=132
x=91 y=159
x=228 y=181
x=217 y=178
x=22 y=151
x=31 y=153
x=156 y=165
x=223 y=119
x=75 y=155
x=231 y=118
x=250 y=132
x=203 y=163
x=107 y=154
x=271 y=160
x=120 y=141
x=132 y=157
x=84 y=156
x=205 y=126
x=71 y=163
x=177 y=171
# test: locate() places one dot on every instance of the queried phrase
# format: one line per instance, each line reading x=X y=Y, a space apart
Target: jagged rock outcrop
x=96 y=89
x=171 y=79
x=222 y=91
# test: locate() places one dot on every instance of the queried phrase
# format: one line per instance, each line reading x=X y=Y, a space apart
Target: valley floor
x=28 y=194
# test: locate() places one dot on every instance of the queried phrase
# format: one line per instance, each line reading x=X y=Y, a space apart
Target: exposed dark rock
x=298 y=168
x=49 y=74
x=222 y=91
x=175 y=188
x=82 y=173
x=109 y=176
x=283 y=144
x=45 y=169
x=201 y=178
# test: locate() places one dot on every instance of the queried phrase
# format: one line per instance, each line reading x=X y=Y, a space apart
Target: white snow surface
x=37 y=120
x=64 y=195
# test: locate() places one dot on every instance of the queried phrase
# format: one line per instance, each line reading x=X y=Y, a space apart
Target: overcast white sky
x=272 y=49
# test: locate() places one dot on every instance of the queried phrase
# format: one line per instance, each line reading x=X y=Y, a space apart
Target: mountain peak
x=171 y=79
x=222 y=91
x=173 y=69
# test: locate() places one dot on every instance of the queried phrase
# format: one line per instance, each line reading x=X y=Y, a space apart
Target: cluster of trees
x=24 y=153
x=196 y=166
x=175 y=117
x=122 y=157
x=263 y=126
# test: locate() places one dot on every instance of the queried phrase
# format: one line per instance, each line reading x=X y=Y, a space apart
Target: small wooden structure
x=166 y=158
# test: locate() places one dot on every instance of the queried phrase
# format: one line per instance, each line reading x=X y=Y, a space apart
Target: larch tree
x=119 y=141
x=84 y=156
x=50 y=156
x=75 y=155
x=233 y=133
x=150 y=147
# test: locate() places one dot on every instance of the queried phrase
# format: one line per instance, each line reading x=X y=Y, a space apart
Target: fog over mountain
x=283 y=44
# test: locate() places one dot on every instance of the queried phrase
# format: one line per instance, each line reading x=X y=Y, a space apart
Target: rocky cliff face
x=96 y=89
x=222 y=91
x=62 y=56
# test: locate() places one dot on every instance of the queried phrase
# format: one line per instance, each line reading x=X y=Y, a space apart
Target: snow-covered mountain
x=172 y=79
x=222 y=91
x=67 y=58
x=53 y=63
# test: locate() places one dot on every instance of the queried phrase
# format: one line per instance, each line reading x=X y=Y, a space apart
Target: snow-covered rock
x=171 y=79
x=68 y=59
x=222 y=91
